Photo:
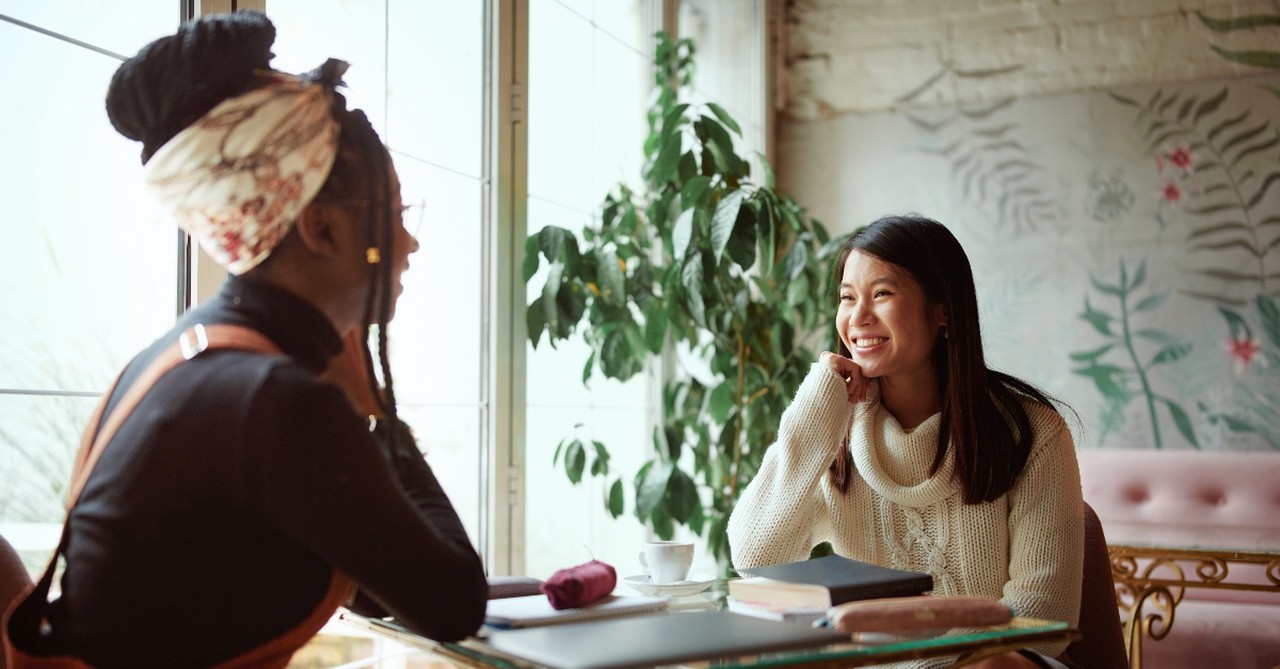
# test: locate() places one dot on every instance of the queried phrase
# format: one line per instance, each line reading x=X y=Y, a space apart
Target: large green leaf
x=742 y=241
x=682 y=233
x=724 y=117
x=795 y=260
x=575 y=460
x=655 y=326
x=651 y=486
x=530 y=264
x=691 y=276
x=600 y=466
x=550 y=291
x=612 y=282
x=694 y=191
x=723 y=221
x=664 y=168
x=535 y=321
x=681 y=497
x=615 y=502
x=721 y=400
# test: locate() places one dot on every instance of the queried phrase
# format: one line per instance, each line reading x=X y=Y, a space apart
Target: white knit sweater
x=1025 y=548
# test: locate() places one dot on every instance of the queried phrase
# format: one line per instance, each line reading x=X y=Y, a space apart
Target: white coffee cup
x=667 y=561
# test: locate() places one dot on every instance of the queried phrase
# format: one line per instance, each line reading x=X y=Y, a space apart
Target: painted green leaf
x=1269 y=314
x=681 y=496
x=682 y=233
x=1152 y=302
x=1086 y=356
x=1239 y=327
x=723 y=221
x=651 y=485
x=1270 y=59
x=1158 y=336
x=1271 y=179
x=724 y=117
x=1099 y=320
x=1170 y=355
x=1209 y=106
x=600 y=466
x=1107 y=380
x=1107 y=288
x=1181 y=419
x=1240 y=22
x=721 y=401
x=1138 y=277
x=615 y=502
x=575 y=460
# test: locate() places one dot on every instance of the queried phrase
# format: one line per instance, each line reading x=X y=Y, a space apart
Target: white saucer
x=696 y=583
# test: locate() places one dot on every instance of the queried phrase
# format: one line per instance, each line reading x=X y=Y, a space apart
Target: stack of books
x=804 y=591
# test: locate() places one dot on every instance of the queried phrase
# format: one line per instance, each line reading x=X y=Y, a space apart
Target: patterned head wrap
x=237 y=178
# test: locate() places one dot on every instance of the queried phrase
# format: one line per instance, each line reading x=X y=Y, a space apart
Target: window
x=428 y=75
x=417 y=69
x=90 y=273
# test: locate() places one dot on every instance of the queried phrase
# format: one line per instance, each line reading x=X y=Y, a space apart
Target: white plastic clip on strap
x=194 y=341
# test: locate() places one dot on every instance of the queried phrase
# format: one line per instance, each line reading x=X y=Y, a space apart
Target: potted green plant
x=705 y=256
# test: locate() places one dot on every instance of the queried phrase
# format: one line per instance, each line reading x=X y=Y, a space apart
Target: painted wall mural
x=1126 y=243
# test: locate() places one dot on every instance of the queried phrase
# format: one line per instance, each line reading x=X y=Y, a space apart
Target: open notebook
x=536 y=610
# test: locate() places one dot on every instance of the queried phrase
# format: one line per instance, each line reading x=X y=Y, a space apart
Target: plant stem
x=1137 y=364
x=737 y=423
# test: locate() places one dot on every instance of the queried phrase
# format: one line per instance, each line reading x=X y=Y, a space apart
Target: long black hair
x=983 y=419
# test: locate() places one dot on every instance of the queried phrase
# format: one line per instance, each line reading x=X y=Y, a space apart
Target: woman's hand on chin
x=856 y=385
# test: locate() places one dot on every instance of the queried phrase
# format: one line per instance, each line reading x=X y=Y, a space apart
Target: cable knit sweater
x=1024 y=548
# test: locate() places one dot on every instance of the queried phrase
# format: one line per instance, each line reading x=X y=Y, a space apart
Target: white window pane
x=621 y=92
x=625 y=21
x=119 y=26
x=39 y=436
x=435 y=82
x=560 y=104
x=308 y=32
x=448 y=436
x=89 y=268
x=436 y=335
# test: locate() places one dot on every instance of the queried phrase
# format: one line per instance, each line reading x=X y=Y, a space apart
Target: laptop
x=658 y=639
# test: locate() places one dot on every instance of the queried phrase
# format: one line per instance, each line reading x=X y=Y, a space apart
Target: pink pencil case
x=924 y=612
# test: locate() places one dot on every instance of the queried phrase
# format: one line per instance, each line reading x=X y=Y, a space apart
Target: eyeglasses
x=411 y=213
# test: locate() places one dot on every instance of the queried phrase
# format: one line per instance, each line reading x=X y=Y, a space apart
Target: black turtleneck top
x=212 y=521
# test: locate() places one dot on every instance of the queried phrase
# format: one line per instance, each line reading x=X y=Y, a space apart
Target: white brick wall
x=853 y=56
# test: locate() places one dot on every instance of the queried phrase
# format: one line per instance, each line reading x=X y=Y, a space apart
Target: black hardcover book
x=838 y=580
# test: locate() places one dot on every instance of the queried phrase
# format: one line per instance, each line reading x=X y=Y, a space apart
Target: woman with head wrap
x=243 y=498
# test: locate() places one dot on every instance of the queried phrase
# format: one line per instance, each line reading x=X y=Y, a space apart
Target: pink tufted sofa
x=1205 y=499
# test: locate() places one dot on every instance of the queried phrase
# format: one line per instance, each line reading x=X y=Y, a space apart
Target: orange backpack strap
x=24 y=621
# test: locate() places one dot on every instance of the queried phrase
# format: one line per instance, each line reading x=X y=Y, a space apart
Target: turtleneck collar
x=300 y=330
x=895 y=462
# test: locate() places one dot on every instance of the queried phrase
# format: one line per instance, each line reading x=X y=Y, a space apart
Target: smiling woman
x=903 y=449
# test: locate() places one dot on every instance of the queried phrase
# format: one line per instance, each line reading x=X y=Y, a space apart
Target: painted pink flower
x=1170 y=192
x=1243 y=349
x=1180 y=157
